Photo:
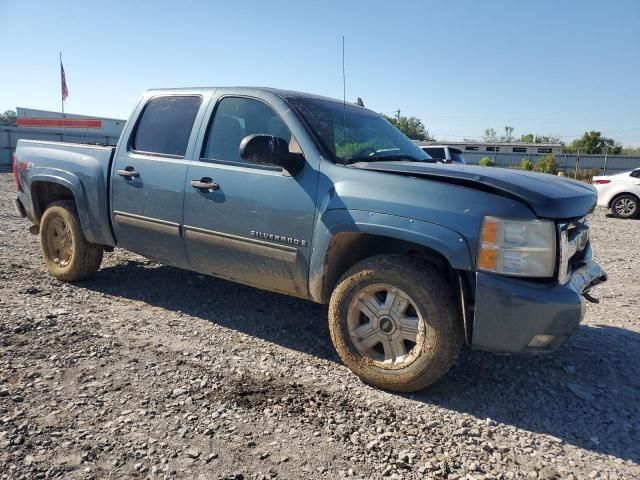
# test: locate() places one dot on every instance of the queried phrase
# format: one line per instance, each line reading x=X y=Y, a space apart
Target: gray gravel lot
x=150 y=371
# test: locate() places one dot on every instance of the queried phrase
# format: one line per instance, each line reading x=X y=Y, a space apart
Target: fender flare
x=72 y=183
x=445 y=241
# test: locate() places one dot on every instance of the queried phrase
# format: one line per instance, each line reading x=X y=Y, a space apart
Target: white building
x=501 y=147
x=53 y=121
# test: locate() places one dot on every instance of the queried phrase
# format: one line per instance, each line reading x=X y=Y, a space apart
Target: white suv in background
x=444 y=153
x=620 y=193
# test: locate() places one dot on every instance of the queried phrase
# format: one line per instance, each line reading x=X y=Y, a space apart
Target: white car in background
x=620 y=193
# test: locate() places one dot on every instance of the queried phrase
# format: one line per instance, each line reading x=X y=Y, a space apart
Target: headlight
x=515 y=247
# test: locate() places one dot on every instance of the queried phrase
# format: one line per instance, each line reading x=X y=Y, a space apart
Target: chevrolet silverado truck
x=324 y=200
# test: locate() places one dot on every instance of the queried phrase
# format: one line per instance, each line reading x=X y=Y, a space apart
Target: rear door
x=148 y=177
x=254 y=225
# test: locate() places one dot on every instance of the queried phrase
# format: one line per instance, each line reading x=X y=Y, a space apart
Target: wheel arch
x=46 y=189
x=345 y=237
x=619 y=194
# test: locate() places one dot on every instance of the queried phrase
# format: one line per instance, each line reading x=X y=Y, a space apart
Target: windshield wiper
x=391 y=158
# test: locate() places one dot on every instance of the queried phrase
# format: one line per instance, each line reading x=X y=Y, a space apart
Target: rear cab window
x=165 y=125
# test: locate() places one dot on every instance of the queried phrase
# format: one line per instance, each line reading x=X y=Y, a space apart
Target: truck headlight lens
x=516 y=247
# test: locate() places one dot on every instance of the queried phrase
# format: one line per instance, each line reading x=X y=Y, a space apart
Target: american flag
x=63 y=79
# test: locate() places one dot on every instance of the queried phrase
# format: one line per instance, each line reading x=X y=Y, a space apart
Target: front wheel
x=67 y=254
x=395 y=323
x=625 y=206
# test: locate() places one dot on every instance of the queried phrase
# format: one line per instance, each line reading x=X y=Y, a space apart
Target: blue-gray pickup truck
x=324 y=200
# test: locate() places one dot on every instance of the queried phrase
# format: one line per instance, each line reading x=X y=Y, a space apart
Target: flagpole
x=61 y=93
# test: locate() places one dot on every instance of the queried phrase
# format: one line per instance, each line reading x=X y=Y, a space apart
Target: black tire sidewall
x=620 y=197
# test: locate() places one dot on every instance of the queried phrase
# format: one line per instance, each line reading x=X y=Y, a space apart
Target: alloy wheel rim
x=386 y=326
x=59 y=242
x=625 y=206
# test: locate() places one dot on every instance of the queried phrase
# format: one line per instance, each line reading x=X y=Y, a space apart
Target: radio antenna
x=344 y=103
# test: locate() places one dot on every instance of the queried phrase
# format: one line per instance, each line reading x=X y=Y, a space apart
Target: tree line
x=8 y=118
x=591 y=142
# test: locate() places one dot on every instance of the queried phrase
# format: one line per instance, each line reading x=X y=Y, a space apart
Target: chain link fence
x=567 y=162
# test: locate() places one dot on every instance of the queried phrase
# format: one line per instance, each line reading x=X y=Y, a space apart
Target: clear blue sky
x=544 y=66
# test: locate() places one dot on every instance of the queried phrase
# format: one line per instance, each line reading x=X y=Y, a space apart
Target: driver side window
x=235 y=118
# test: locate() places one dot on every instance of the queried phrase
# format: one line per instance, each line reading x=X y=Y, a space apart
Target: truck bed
x=82 y=168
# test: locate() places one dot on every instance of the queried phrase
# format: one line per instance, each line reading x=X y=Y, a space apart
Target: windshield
x=354 y=134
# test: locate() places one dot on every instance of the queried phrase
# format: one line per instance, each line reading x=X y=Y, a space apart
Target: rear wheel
x=625 y=206
x=395 y=323
x=67 y=255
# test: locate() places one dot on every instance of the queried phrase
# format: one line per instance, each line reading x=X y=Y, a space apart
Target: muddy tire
x=395 y=322
x=625 y=206
x=67 y=255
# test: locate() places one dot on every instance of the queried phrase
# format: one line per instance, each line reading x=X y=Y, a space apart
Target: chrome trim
x=242 y=244
x=148 y=223
x=278 y=238
x=574 y=238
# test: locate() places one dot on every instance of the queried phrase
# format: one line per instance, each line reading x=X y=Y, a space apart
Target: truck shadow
x=586 y=394
x=288 y=321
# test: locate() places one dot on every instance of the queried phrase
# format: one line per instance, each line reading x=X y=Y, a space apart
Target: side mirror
x=270 y=150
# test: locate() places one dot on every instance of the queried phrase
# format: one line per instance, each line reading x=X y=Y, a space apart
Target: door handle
x=205 y=183
x=128 y=172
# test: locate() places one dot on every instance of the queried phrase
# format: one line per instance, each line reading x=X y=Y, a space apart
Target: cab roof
x=286 y=94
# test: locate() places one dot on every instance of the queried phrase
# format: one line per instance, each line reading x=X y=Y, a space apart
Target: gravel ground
x=150 y=371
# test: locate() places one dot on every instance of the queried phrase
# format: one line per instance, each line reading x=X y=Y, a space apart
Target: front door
x=246 y=222
x=148 y=177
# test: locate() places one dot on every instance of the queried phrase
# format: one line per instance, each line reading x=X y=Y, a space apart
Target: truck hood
x=547 y=195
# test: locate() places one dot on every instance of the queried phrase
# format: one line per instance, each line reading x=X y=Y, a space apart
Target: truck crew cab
x=311 y=197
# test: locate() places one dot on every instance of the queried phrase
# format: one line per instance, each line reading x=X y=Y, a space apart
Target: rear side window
x=165 y=125
x=635 y=173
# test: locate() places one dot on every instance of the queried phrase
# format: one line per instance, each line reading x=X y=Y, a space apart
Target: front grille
x=574 y=239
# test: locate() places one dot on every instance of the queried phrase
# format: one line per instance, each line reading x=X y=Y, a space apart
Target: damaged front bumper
x=520 y=316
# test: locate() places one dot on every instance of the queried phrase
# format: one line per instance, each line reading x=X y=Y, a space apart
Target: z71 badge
x=278 y=238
